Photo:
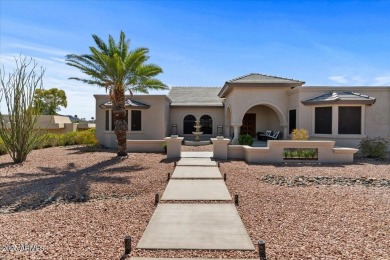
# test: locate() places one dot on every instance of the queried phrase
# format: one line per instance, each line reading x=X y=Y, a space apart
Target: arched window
x=188 y=124
x=207 y=124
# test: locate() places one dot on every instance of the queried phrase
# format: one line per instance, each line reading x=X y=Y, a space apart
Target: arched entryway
x=258 y=118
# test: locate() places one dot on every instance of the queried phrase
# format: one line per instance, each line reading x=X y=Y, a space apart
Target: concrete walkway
x=196 y=172
x=200 y=225
x=196 y=190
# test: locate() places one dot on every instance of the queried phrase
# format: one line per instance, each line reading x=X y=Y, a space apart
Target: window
x=188 y=124
x=350 y=120
x=107 y=120
x=113 y=121
x=292 y=120
x=207 y=124
x=136 y=120
x=323 y=120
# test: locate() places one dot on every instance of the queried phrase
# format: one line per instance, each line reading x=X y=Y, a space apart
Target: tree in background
x=17 y=91
x=51 y=100
x=117 y=68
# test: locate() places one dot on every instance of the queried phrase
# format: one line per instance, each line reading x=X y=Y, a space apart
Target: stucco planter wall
x=145 y=146
x=173 y=147
x=273 y=153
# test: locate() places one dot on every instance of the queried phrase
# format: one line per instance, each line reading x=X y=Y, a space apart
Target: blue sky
x=205 y=43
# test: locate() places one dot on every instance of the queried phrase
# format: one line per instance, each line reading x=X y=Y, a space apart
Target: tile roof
x=341 y=97
x=128 y=103
x=195 y=96
x=261 y=78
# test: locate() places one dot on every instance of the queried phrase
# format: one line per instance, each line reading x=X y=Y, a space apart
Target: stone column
x=237 y=129
x=220 y=148
x=173 y=147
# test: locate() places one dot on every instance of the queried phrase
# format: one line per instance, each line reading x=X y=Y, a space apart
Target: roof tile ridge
x=266 y=75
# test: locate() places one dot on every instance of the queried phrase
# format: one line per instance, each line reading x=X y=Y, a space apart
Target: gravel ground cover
x=315 y=221
x=67 y=203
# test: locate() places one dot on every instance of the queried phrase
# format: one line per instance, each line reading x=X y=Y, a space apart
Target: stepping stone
x=196 y=226
x=196 y=172
x=196 y=190
x=196 y=162
x=196 y=154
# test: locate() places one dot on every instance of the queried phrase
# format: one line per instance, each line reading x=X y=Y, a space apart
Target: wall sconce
x=174 y=129
x=219 y=130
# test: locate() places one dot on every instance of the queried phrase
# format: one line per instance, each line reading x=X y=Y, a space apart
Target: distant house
x=58 y=124
x=252 y=104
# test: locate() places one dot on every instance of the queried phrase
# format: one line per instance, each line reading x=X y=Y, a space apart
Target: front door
x=249 y=125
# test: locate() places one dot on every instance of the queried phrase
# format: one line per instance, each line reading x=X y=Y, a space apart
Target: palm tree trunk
x=119 y=114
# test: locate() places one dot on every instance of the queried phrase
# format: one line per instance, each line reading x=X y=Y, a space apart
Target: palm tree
x=118 y=69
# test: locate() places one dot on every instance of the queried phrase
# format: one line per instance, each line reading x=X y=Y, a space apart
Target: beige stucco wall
x=266 y=119
x=243 y=98
x=177 y=115
x=376 y=118
x=154 y=120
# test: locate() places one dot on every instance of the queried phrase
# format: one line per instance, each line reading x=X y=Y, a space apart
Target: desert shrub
x=3 y=150
x=245 y=140
x=374 y=147
x=300 y=134
x=86 y=137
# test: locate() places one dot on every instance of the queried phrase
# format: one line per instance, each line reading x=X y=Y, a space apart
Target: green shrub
x=86 y=137
x=375 y=147
x=245 y=140
x=3 y=150
x=300 y=134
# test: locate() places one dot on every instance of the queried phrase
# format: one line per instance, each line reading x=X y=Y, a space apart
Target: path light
x=156 y=199
x=174 y=164
x=127 y=245
x=236 y=199
x=262 y=255
x=219 y=164
x=224 y=176
x=169 y=176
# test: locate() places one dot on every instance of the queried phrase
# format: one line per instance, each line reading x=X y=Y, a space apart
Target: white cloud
x=40 y=49
x=339 y=79
x=382 y=80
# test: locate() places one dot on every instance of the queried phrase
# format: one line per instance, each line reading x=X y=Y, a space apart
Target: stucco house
x=251 y=104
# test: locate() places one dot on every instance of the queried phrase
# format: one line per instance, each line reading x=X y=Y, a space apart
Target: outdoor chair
x=268 y=134
x=275 y=136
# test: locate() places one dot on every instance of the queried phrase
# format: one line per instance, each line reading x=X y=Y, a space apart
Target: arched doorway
x=260 y=118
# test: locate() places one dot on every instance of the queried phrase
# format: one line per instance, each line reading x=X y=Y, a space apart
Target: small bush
x=3 y=150
x=375 y=147
x=245 y=140
x=86 y=137
x=300 y=134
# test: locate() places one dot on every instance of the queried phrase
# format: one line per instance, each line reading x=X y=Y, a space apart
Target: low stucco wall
x=145 y=146
x=236 y=152
x=273 y=153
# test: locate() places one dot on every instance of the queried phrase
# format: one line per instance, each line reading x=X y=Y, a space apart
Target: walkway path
x=199 y=225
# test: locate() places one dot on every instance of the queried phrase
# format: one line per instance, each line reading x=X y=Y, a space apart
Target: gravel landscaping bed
x=316 y=221
x=66 y=203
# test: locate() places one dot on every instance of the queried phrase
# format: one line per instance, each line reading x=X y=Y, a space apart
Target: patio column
x=237 y=129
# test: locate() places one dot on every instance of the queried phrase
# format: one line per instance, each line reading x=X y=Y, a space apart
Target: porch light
x=219 y=130
x=174 y=129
